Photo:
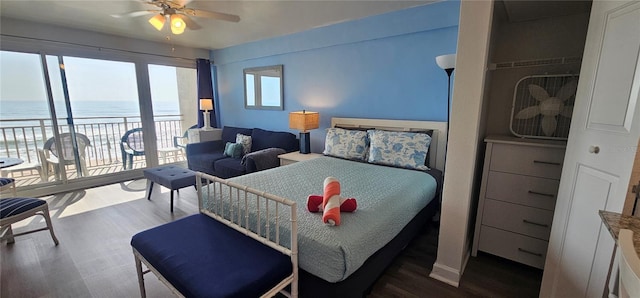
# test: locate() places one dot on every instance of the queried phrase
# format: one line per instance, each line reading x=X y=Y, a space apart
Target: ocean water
x=39 y=109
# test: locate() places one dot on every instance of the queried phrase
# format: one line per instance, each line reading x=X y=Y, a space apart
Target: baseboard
x=445 y=274
x=466 y=261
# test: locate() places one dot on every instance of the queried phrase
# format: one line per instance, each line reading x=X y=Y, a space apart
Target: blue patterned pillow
x=245 y=141
x=349 y=144
x=399 y=149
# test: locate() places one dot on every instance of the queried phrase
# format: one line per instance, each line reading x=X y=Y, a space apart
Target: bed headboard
x=438 y=140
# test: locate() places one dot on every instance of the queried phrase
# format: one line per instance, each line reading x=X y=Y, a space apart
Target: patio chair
x=51 y=158
x=131 y=145
x=25 y=166
x=181 y=142
x=179 y=146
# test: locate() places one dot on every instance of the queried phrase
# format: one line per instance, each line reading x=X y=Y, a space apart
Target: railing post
x=109 y=149
x=43 y=130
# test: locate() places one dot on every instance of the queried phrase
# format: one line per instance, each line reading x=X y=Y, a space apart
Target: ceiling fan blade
x=182 y=3
x=211 y=14
x=190 y=23
x=134 y=14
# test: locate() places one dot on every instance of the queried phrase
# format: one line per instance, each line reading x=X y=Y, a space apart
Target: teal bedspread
x=388 y=198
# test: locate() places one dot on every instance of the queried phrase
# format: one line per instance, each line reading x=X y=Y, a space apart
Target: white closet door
x=600 y=151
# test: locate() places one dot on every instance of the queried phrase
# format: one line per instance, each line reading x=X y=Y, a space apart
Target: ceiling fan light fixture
x=177 y=24
x=158 y=21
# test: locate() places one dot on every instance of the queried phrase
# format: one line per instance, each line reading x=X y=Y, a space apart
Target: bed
x=393 y=206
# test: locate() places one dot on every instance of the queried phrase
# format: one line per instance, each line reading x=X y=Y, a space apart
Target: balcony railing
x=22 y=138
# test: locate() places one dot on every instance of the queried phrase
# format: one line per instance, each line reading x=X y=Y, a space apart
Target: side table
x=198 y=135
x=293 y=157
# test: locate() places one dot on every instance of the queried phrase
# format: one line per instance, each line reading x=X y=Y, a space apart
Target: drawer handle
x=530 y=252
x=535 y=223
x=541 y=194
x=547 y=162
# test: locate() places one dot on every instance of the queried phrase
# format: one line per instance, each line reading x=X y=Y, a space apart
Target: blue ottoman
x=171 y=177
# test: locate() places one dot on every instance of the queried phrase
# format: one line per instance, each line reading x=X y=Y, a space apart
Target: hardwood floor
x=484 y=276
x=94 y=258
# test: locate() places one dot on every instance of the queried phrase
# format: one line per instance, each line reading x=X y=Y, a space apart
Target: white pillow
x=399 y=149
x=245 y=141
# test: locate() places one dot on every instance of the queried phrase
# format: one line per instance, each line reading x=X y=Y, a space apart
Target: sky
x=21 y=78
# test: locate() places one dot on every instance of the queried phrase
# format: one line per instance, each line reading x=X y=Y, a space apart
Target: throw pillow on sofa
x=245 y=141
x=233 y=150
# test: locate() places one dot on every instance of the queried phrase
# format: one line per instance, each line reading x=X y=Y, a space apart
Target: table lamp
x=206 y=105
x=303 y=121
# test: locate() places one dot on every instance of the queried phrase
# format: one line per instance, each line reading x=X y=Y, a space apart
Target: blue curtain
x=205 y=90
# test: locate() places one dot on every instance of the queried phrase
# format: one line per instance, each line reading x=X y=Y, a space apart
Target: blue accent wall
x=376 y=67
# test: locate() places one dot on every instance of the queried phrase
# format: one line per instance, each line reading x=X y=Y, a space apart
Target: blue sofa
x=208 y=157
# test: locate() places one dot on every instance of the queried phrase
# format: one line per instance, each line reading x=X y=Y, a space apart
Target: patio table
x=6 y=162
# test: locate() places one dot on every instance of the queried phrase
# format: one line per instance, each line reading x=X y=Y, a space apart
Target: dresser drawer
x=523 y=249
x=520 y=219
x=527 y=160
x=524 y=190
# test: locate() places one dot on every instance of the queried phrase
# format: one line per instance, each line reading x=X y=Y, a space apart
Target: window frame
x=258 y=73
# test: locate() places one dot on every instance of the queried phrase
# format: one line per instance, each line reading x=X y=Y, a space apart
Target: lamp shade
x=177 y=24
x=158 y=21
x=206 y=104
x=303 y=120
x=446 y=61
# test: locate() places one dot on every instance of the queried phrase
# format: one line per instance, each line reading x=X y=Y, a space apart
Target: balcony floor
x=28 y=178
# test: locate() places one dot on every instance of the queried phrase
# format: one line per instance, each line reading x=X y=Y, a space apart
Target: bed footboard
x=264 y=217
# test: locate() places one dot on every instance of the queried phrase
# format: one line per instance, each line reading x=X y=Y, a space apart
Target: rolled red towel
x=314 y=204
x=348 y=205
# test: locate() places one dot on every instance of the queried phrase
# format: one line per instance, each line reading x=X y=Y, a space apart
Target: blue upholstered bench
x=171 y=177
x=201 y=257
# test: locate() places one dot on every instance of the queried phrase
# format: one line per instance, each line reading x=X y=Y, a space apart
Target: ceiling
x=258 y=19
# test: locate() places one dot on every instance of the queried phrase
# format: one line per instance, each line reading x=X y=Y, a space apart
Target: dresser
x=520 y=183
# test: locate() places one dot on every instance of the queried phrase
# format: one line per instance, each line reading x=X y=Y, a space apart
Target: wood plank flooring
x=94 y=258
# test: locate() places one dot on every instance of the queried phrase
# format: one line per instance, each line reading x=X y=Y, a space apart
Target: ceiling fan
x=178 y=15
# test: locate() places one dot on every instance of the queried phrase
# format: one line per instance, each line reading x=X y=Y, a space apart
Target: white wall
x=465 y=140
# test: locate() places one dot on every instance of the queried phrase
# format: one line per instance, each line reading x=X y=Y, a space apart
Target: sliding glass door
x=102 y=105
x=172 y=92
x=25 y=119
x=88 y=121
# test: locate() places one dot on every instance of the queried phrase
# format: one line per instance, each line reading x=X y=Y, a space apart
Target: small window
x=263 y=88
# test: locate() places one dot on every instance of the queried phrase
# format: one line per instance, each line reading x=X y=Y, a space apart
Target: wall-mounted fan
x=178 y=15
x=542 y=106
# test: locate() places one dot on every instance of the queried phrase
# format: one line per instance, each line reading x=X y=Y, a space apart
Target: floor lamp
x=448 y=63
